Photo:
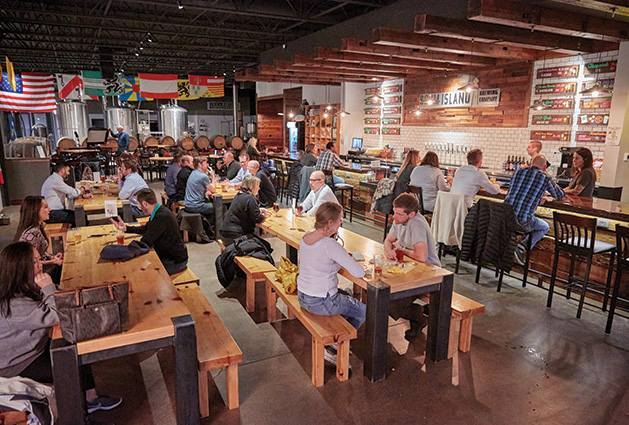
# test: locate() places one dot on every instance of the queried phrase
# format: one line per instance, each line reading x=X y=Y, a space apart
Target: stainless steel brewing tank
x=125 y=117
x=72 y=117
x=173 y=120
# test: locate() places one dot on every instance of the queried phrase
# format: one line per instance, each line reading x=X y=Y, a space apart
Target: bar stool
x=448 y=223
x=282 y=178
x=341 y=188
x=577 y=236
x=519 y=230
x=622 y=251
x=417 y=191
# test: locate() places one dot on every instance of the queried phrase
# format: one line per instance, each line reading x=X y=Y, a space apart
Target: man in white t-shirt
x=468 y=178
x=319 y=193
x=411 y=233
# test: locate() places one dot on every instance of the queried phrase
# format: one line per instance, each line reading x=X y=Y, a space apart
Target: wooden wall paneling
x=513 y=80
x=270 y=124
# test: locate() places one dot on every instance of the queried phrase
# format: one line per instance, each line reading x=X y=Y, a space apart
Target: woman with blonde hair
x=244 y=212
x=320 y=258
x=429 y=177
x=403 y=176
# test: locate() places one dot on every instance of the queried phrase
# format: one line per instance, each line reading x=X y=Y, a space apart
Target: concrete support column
x=615 y=172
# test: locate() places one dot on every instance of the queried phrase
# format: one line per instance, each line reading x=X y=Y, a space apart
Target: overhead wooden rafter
x=545 y=19
x=613 y=7
x=393 y=53
x=336 y=57
x=508 y=36
x=340 y=73
x=407 y=39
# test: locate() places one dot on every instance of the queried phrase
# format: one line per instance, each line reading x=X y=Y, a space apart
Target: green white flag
x=93 y=84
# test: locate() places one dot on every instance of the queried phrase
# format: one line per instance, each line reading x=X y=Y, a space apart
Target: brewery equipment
x=73 y=120
x=173 y=120
x=126 y=117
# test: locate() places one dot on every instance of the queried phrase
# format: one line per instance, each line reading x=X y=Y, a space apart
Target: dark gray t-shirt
x=587 y=179
x=416 y=230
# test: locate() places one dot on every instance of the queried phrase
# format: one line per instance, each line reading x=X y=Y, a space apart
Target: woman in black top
x=403 y=176
x=582 y=184
x=244 y=212
x=308 y=159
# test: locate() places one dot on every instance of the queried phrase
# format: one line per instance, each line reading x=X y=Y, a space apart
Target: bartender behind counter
x=582 y=184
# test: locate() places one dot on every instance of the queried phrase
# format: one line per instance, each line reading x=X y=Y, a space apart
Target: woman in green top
x=582 y=183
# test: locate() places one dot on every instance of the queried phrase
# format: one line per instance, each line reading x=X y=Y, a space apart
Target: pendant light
x=539 y=104
x=343 y=112
x=472 y=83
x=597 y=89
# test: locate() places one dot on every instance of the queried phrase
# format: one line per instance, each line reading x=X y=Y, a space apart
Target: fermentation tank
x=125 y=117
x=72 y=118
x=173 y=120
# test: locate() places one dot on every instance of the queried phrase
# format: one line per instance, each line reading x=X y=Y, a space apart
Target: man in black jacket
x=160 y=232
x=182 y=179
x=227 y=167
x=267 y=195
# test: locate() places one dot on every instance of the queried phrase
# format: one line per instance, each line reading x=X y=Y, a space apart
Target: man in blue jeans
x=526 y=193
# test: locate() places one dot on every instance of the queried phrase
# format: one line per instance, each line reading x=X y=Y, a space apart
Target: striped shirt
x=527 y=187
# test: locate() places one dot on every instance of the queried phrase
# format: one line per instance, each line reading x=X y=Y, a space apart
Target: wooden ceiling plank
x=270 y=70
x=620 y=6
x=301 y=63
x=501 y=34
x=394 y=37
x=557 y=21
x=336 y=55
x=354 y=45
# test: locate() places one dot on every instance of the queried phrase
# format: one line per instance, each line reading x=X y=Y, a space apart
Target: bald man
x=319 y=193
x=267 y=195
x=526 y=192
x=227 y=167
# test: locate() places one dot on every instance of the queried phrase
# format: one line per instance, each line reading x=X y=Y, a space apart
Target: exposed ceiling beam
x=508 y=36
x=353 y=45
x=538 y=18
x=337 y=56
x=324 y=71
x=612 y=7
x=339 y=67
x=398 y=38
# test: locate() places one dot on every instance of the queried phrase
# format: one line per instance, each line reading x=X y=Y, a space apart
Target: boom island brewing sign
x=461 y=99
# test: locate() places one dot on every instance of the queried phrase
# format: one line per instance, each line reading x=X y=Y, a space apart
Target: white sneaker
x=329 y=355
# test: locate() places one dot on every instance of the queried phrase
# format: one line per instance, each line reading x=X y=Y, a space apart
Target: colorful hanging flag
x=131 y=92
x=93 y=83
x=159 y=86
x=33 y=93
x=205 y=86
x=69 y=86
x=11 y=74
x=184 y=90
x=114 y=86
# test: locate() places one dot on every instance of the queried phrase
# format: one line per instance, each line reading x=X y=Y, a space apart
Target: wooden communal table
x=157 y=160
x=157 y=318
x=423 y=278
x=95 y=205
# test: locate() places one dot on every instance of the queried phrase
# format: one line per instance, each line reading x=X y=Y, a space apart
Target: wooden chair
x=576 y=236
x=622 y=251
x=417 y=191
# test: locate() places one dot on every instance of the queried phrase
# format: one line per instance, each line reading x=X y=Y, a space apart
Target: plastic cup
x=399 y=255
x=120 y=238
x=78 y=237
x=102 y=179
x=377 y=265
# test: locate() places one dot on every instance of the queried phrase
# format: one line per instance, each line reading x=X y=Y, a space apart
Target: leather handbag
x=93 y=312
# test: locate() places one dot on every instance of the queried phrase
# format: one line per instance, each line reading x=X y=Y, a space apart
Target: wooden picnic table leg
x=69 y=394
x=79 y=216
x=186 y=378
x=271 y=301
x=439 y=320
x=218 y=214
x=376 y=331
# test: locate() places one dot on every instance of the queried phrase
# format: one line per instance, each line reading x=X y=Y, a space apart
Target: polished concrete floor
x=528 y=364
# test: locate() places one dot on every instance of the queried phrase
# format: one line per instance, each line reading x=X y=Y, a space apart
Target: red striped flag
x=33 y=93
x=159 y=86
x=69 y=86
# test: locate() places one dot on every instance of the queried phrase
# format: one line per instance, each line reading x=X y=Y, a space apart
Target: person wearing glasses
x=319 y=193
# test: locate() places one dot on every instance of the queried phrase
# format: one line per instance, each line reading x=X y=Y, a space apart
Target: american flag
x=33 y=93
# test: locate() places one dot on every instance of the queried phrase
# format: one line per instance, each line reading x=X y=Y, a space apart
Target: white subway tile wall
x=499 y=143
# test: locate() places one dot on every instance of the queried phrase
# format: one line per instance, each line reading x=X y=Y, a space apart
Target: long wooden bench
x=215 y=346
x=254 y=268
x=174 y=207
x=325 y=330
x=184 y=277
x=463 y=312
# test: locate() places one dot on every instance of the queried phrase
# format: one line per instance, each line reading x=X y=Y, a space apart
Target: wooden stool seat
x=325 y=330
x=341 y=188
x=254 y=268
x=215 y=347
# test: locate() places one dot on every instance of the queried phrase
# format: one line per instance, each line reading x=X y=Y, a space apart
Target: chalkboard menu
x=560 y=136
x=593 y=119
x=371 y=91
x=390 y=121
x=551 y=119
x=372 y=120
x=608 y=84
x=564 y=103
x=371 y=130
x=392 y=110
x=600 y=67
x=591 y=136
x=569 y=87
x=558 y=72
x=596 y=102
x=391 y=131
x=392 y=89
x=372 y=111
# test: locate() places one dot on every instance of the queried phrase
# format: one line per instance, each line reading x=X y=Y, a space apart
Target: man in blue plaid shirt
x=328 y=161
x=526 y=192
